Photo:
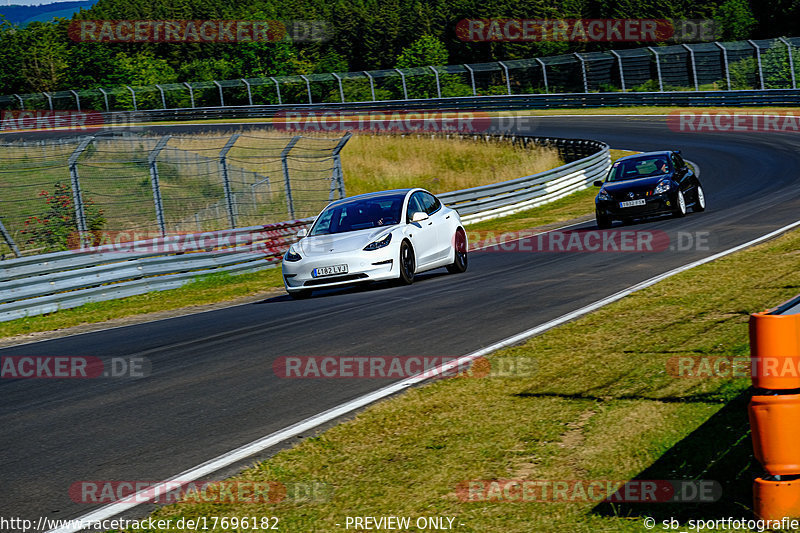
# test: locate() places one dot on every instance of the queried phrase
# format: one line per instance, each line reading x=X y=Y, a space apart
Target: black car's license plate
x=329 y=271
x=632 y=203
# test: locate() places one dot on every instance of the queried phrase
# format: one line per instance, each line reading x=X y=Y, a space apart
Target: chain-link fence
x=759 y=64
x=56 y=194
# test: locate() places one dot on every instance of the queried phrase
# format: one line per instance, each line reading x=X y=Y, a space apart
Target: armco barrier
x=774 y=409
x=45 y=283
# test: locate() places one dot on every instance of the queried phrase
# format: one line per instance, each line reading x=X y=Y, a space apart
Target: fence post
x=105 y=97
x=163 y=99
x=621 y=71
x=472 y=79
x=49 y=100
x=544 y=75
x=80 y=215
x=191 y=92
x=78 y=100
x=508 y=77
x=725 y=61
x=758 y=60
x=694 y=67
x=438 y=86
x=371 y=84
x=277 y=89
x=22 y=103
x=403 y=77
x=133 y=94
x=286 y=181
x=226 y=184
x=151 y=159
x=221 y=98
x=337 y=163
x=791 y=60
x=9 y=240
x=249 y=92
x=583 y=72
x=341 y=90
x=308 y=86
x=658 y=69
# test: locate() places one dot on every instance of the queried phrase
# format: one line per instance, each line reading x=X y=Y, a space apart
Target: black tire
x=300 y=295
x=460 y=261
x=680 y=206
x=699 y=200
x=603 y=222
x=407 y=263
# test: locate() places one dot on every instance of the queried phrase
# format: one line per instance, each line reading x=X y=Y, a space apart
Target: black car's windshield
x=639 y=167
x=360 y=213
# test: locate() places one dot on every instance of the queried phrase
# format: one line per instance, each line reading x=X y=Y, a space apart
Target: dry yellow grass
x=372 y=162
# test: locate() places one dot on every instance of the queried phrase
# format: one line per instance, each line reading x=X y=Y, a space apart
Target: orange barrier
x=773 y=500
x=775 y=418
x=775 y=351
x=775 y=424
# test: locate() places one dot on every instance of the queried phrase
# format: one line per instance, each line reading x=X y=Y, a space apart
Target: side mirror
x=419 y=216
x=598 y=183
x=302 y=233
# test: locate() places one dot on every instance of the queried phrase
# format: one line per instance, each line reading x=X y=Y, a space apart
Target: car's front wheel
x=700 y=200
x=407 y=263
x=460 y=245
x=603 y=222
x=680 y=206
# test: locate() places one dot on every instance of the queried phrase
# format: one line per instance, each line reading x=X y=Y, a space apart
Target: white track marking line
x=272 y=439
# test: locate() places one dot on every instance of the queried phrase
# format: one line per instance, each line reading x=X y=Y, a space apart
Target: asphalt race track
x=212 y=386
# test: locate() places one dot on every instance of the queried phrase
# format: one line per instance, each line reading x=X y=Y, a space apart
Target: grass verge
x=601 y=405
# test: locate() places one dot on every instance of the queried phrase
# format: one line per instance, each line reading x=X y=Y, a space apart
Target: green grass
x=600 y=406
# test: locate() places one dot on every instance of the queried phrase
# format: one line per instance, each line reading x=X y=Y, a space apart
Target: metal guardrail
x=41 y=284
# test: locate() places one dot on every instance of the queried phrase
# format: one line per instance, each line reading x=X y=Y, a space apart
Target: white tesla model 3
x=377 y=236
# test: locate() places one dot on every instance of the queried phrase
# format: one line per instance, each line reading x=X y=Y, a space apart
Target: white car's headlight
x=662 y=187
x=603 y=195
x=380 y=243
x=292 y=255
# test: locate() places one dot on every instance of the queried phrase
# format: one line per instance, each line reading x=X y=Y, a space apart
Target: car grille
x=623 y=196
x=334 y=279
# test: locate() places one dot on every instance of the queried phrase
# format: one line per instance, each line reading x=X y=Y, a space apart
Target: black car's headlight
x=291 y=255
x=603 y=195
x=380 y=243
x=662 y=187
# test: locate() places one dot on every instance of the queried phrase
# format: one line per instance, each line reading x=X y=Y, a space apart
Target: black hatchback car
x=647 y=184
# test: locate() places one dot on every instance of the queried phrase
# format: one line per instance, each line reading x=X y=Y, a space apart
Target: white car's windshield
x=360 y=213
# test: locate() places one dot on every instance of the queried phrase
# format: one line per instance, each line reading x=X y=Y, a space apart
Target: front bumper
x=361 y=266
x=654 y=205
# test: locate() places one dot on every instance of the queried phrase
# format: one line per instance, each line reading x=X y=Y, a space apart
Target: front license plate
x=329 y=271
x=632 y=203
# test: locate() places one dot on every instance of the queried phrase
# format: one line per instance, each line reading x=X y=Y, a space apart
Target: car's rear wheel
x=700 y=200
x=300 y=295
x=680 y=206
x=460 y=261
x=407 y=264
x=603 y=222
